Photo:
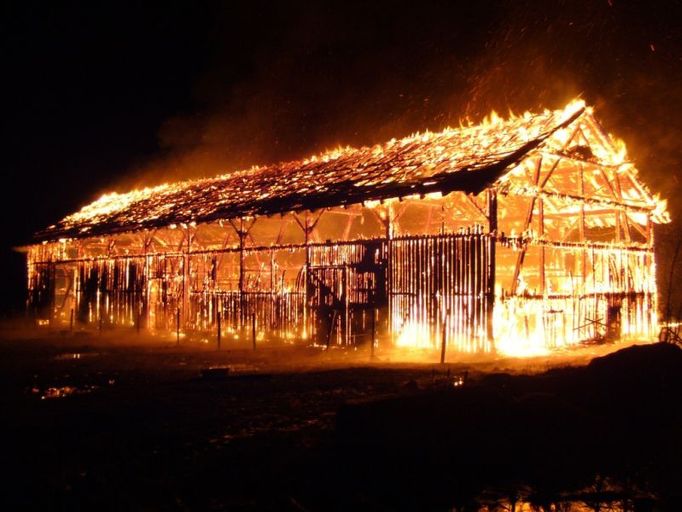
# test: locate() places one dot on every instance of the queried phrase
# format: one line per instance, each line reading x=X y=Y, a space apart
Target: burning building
x=517 y=236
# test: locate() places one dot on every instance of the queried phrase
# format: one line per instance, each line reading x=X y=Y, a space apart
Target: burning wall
x=516 y=235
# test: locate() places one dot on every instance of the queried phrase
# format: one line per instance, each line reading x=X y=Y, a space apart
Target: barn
x=515 y=235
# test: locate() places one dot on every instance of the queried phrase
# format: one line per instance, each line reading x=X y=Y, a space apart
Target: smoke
x=314 y=77
x=326 y=76
x=300 y=79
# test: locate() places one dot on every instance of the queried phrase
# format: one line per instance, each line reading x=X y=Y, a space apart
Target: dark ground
x=297 y=429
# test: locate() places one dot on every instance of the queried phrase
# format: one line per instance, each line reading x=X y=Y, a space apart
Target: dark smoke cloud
x=347 y=74
x=329 y=75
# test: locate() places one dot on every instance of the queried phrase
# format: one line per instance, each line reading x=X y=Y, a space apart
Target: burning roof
x=468 y=158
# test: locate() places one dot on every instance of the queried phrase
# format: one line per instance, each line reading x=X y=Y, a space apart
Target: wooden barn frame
x=515 y=235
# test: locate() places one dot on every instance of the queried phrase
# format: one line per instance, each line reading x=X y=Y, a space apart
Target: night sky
x=101 y=96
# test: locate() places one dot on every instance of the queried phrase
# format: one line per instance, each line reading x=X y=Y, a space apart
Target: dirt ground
x=119 y=422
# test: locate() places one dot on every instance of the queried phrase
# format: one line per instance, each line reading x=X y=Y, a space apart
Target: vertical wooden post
x=443 y=341
x=219 y=328
x=345 y=280
x=242 y=232
x=541 y=233
x=308 y=288
x=253 y=330
x=581 y=227
x=388 y=229
x=649 y=231
x=143 y=307
x=242 y=258
x=374 y=332
x=272 y=271
x=177 y=325
x=184 y=306
x=307 y=226
x=185 y=279
x=71 y=321
x=651 y=298
x=621 y=213
x=491 y=270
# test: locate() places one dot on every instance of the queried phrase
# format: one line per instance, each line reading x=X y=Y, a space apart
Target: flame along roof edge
x=469 y=176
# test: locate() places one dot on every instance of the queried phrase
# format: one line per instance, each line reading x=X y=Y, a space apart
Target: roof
x=468 y=158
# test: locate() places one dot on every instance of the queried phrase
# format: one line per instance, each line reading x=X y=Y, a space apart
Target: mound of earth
x=555 y=430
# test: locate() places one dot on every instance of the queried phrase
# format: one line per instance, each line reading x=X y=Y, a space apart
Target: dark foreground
x=89 y=426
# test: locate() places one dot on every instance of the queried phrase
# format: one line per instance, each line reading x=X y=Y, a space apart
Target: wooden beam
x=541 y=232
x=491 y=270
x=188 y=236
x=625 y=223
x=581 y=226
x=242 y=231
x=479 y=208
x=529 y=218
x=587 y=200
x=641 y=230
